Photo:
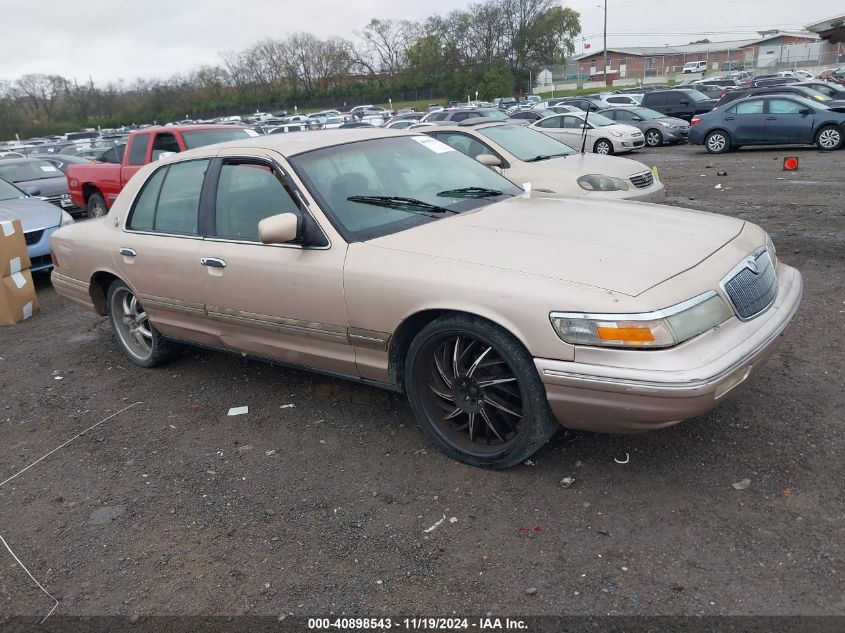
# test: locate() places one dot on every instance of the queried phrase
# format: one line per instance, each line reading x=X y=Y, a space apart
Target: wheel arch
x=88 y=190
x=403 y=335
x=98 y=289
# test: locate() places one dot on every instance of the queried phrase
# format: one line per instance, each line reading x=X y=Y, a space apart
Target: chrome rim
x=716 y=142
x=131 y=324
x=653 y=138
x=602 y=147
x=829 y=138
x=98 y=209
x=470 y=393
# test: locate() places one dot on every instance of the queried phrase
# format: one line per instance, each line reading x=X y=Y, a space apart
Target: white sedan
x=604 y=136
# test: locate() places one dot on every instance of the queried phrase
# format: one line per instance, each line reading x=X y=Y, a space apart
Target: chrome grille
x=33 y=237
x=752 y=292
x=642 y=180
x=57 y=200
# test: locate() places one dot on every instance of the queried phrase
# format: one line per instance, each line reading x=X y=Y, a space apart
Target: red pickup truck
x=94 y=187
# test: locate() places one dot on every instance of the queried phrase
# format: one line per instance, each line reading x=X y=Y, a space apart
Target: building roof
x=696 y=49
x=832 y=29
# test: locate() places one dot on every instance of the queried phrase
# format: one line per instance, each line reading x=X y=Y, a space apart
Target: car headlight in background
x=662 y=328
x=599 y=182
x=66 y=219
x=616 y=134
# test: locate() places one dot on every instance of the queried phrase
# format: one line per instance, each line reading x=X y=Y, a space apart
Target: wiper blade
x=470 y=192
x=400 y=203
x=544 y=157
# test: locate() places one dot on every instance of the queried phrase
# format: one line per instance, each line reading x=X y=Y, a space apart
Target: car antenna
x=584 y=130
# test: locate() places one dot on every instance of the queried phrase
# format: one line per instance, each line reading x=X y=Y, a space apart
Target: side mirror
x=684 y=102
x=584 y=126
x=489 y=160
x=32 y=190
x=278 y=229
x=806 y=111
x=164 y=155
x=638 y=118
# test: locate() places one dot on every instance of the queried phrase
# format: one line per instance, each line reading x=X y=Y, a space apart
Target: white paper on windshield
x=433 y=144
x=48 y=168
x=19 y=279
x=8 y=228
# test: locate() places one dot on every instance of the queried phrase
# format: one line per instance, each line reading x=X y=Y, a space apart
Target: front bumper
x=39 y=251
x=633 y=391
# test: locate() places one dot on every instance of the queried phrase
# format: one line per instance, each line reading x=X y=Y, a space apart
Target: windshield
x=396 y=183
x=29 y=170
x=696 y=95
x=9 y=192
x=526 y=143
x=199 y=138
x=647 y=113
x=599 y=120
x=815 y=94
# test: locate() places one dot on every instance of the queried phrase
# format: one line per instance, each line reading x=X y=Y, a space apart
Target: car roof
x=19 y=161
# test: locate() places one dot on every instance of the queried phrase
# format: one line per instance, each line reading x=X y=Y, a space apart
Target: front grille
x=642 y=180
x=57 y=200
x=751 y=293
x=33 y=237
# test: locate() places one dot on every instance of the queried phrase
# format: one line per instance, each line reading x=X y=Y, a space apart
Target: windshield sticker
x=48 y=168
x=433 y=144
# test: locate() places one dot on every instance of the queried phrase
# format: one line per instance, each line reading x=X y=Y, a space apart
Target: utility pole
x=606 y=81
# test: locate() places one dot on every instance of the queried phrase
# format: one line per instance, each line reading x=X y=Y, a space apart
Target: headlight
x=662 y=328
x=671 y=126
x=773 y=254
x=616 y=134
x=598 y=182
x=66 y=219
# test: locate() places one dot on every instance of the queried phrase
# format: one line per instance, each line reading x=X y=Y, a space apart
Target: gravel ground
x=171 y=507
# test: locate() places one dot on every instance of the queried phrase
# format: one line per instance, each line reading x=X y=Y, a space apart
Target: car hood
x=546 y=174
x=672 y=121
x=32 y=212
x=625 y=247
x=48 y=186
x=623 y=128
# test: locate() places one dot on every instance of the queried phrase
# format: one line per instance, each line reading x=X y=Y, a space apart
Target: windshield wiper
x=400 y=203
x=470 y=192
x=543 y=157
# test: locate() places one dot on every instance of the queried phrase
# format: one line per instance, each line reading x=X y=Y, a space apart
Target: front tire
x=96 y=207
x=603 y=146
x=717 y=142
x=653 y=138
x=829 y=138
x=135 y=334
x=476 y=393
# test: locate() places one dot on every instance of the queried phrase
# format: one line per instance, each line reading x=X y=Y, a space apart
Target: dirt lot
x=322 y=507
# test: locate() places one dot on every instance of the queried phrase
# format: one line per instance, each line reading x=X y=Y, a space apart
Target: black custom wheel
x=138 y=338
x=653 y=138
x=97 y=206
x=475 y=391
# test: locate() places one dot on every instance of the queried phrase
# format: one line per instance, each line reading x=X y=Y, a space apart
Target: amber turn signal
x=628 y=334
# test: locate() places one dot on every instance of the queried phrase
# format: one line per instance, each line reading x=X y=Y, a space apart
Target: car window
x=752 y=106
x=464 y=144
x=198 y=138
x=138 y=151
x=143 y=211
x=621 y=115
x=656 y=99
x=164 y=142
x=551 y=122
x=460 y=116
x=175 y=199
x=783 y=106
x=571 y=122
x=246 y=194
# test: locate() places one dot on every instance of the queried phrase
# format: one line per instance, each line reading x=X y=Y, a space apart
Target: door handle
x=729 y=118
x=771 y=118
x=127 y=252
x=213 y=262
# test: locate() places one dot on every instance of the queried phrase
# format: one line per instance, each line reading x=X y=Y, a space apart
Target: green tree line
x=490 y=47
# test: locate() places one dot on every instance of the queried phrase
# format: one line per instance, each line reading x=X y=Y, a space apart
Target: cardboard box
x=13 y=256
x=17 y=298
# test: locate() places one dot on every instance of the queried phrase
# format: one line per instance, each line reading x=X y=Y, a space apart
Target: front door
x=280 y=301
x=159 y=250
x=786 y=124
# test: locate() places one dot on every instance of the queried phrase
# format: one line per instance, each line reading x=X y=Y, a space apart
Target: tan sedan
x=390 y=258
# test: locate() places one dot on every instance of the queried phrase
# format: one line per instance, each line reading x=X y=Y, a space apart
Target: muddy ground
x=172 y=507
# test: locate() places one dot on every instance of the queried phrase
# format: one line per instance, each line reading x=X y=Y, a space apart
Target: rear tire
x=829 y=138
x=476 y=393
x=653 y=138
x=136 y=335
x=603 y=146
x=717 y=142
x=96 y=207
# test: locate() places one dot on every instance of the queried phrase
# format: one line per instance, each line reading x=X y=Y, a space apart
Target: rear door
x=747 y=121
x=280 y=301
x=786 y=124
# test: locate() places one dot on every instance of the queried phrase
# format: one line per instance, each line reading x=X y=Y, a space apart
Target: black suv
x=591 y=104
x=683 y=103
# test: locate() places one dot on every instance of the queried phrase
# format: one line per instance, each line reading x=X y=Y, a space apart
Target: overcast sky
x=114 y=39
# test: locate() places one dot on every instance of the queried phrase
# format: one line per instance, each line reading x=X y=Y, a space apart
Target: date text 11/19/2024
x=416 y=624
